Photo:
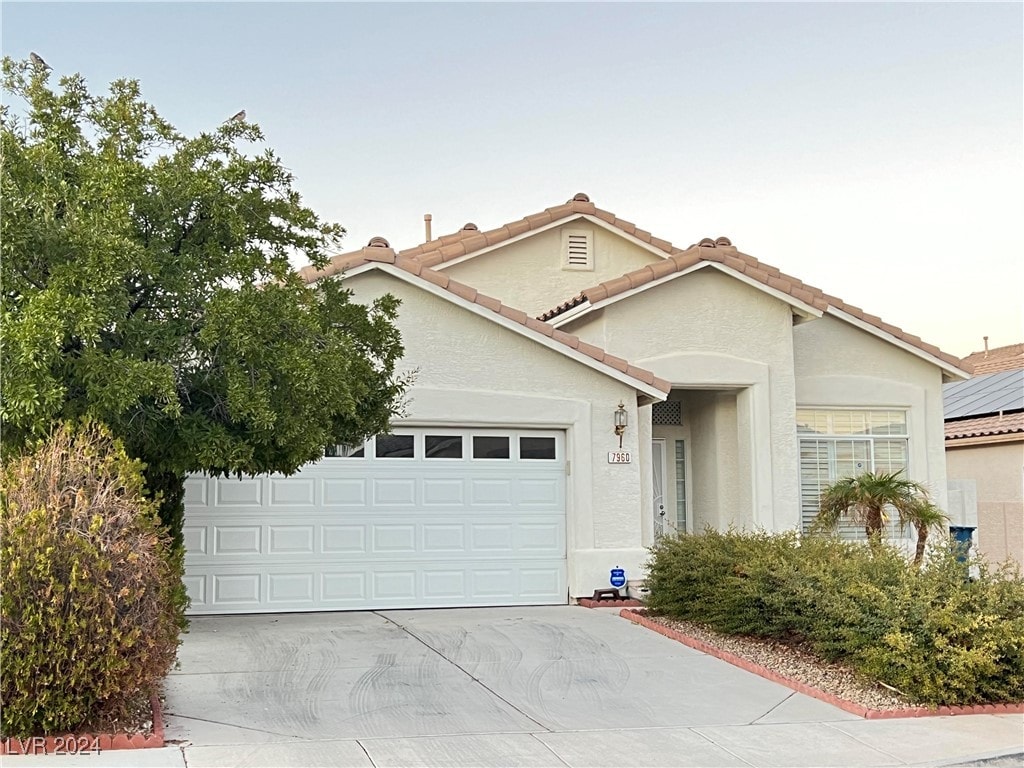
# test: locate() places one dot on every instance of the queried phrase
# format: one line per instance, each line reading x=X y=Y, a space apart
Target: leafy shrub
x=932 y=633
x=91 y=600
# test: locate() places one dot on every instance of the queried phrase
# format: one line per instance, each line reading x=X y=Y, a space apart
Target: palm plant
x=866 y=498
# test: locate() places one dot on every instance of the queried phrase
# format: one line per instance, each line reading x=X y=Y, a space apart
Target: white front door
x=662 y=524
x=426 y=517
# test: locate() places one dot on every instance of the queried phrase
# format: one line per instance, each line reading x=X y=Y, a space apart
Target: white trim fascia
x=487 y=249
x=640 y=386
x=952 y=370
x=626 y=236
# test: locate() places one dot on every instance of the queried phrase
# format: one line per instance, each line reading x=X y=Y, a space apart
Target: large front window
x=838 y=443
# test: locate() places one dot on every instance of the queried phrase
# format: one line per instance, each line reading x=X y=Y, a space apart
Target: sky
x=874 y=150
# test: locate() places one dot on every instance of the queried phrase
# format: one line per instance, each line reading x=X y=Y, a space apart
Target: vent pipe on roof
x=986 y=345
x=427 y=218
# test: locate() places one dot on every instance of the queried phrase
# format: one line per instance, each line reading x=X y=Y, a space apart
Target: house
x=985 y=446
x=582 y=387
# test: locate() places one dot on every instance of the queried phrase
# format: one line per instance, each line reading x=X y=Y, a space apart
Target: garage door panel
x=344 y=493
x=196 y=491
x=292 y=492
x=371 y=532
x=232 y=492
x=444 y=492
x=343 y=539
x=291 y=539
x=236 y=540
x=394 y=492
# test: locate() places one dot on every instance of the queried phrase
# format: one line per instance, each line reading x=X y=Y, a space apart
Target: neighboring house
x=985 y=446
x=738 y=391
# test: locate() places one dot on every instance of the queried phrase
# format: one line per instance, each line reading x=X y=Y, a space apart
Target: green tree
x=147 y=285
x=865 y=499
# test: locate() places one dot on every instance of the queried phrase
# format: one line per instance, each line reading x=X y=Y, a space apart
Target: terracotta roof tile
x=475 y=243
x=452 y=251
x=495 y=236
x=517 y=228
x=686 y=259
x=513 y=314
x=626 y=226
x=489 y=302
x=639 y=373
x=616 y=285
x=662 y=245
x=462 y=290
x=616 y=362
x=734 y=262
x=588 y=349
x=571 y=340
x=582 y=207
x=1008 y=358
x=596 y=294
x=640 y=276
x=662 y=268
x=983 y=426
x=439 y=279
x=539 y=220
x=536 y=325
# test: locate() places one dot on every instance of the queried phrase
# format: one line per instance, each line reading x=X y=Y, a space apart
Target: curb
x=847 y=706
x=86 y=743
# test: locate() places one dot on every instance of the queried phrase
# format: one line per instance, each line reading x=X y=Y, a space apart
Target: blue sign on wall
x=618 y=578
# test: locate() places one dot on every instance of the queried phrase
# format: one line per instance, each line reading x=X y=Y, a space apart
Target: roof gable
x=382 y=257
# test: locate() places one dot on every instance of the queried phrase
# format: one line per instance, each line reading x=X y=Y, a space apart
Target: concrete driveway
x=512 y=686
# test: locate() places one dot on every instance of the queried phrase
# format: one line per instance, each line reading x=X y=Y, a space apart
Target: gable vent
x=579 y=250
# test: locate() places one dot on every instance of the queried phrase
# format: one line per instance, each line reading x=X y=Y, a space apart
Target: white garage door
x=421 y=518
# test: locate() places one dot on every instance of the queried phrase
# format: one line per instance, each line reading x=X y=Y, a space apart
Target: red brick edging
x=637 y=617
x=82 y=743
x=622 y=602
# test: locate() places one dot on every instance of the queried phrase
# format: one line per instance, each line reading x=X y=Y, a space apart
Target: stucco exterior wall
x=840 y=365
x=998 y=472
x=709 y=331
x=529 y=274
x=472 y=372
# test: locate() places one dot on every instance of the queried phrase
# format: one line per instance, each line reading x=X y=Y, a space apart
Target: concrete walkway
x=560 y=686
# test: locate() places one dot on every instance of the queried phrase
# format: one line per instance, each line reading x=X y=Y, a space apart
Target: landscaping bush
x=91 y=600
x=933 y=634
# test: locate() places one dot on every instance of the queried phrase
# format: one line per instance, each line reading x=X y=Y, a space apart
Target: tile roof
x=380 y=252
x=470 y=239
x=723 y=252
x=1006 y=358
x=985 y=426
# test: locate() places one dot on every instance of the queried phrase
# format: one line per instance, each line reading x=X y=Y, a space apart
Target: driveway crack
x=462 y=669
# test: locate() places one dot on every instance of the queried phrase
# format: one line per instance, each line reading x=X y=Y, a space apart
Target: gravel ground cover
x=796 y=663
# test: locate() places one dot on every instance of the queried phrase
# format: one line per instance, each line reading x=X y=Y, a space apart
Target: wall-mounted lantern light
x=621 y=422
